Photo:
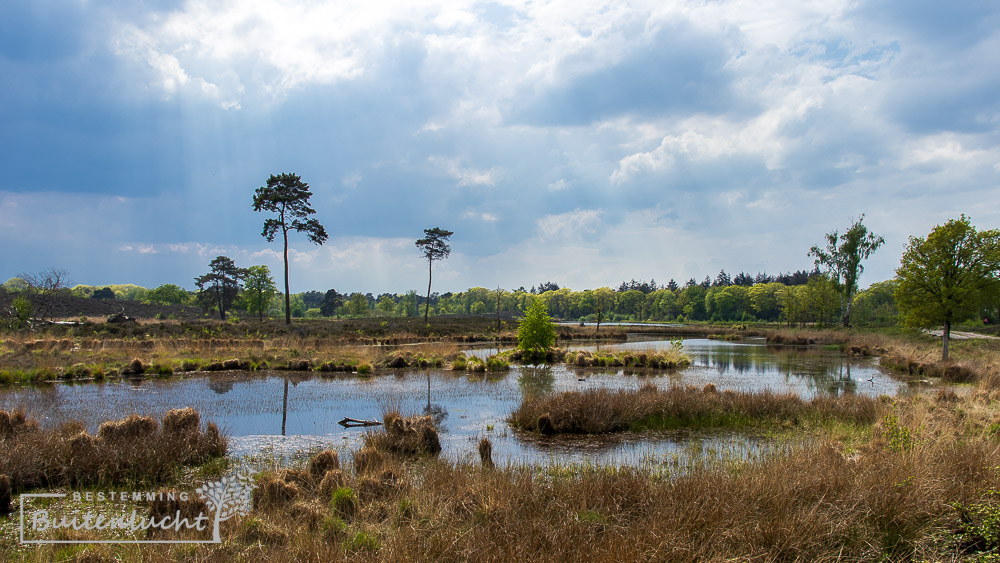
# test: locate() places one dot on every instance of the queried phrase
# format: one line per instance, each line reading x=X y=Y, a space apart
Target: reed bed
x=598 y=411
x=135 y=449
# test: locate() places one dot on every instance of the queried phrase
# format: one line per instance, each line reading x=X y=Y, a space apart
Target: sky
x=581 y=142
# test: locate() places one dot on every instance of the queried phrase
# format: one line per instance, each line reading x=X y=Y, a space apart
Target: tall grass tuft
x=486 y=453
x=410 y=436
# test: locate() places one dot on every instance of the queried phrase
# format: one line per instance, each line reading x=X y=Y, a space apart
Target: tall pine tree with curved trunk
x=435 y=246
x=288 y=196
x=842 y=258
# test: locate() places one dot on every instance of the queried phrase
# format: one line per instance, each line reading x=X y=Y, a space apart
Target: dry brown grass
x=131 y=450
x=405 y=436
x=916 y=488
x=598 y=411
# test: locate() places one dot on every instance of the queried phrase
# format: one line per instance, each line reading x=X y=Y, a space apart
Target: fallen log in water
x=354 y=422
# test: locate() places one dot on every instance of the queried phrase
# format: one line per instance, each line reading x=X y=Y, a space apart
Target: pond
x=251 y=408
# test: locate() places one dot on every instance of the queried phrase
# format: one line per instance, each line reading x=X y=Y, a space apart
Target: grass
x=672 y=358
x=913 y=478
x=135 y=449
x=599 y=411
x=935 y=499
x=922 y=485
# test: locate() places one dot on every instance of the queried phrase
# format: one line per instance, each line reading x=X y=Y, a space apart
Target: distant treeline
x=793 y=298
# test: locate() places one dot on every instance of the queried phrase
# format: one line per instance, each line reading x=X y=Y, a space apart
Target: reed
x=135 y=449
x=598 y=411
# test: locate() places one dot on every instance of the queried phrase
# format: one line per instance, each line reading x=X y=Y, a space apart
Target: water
x=466 y=407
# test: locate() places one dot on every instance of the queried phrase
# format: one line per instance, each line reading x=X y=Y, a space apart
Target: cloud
x=675 y=68
x=480 y=216
x=573 y=224
x=711 y=134
x=466 y=176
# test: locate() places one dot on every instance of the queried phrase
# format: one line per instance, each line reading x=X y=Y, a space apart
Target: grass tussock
x=598 y=411
x=404 y=436
x=666 y=359
x=135 y=449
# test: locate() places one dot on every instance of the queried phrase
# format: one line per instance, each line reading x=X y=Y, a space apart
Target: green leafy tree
x=358 y=305
x=103 y=293
x=536 y=333
x=842 y=259
x=220 y=286
x=15 y=285
x=820 y=299
x=21 y=311
x=386 y=304
x=288 y=196
x=877 y=305
x=332 y=301
x=604 y=301
x=765 y=298
x=259 y=290
x=166 y=294
x=408 y=305
x=434 y=246
x=945 y=278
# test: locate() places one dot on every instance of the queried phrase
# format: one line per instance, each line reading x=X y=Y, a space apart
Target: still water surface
x=249 y=406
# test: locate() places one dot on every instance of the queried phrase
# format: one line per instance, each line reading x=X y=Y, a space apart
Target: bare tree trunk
x=222 y=311
x=427 y=306
x=288 y=311
x=284 y=408
x=945 y=335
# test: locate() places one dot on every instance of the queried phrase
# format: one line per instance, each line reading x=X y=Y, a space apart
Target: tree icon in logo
x=227 y=497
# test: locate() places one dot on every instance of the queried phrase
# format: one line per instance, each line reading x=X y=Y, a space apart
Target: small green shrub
x=364 y=368
x=900 y=438
x=22 y=311
x=344 y=502
x=333 y=527
x=536 y=331
x=493 y=363
x=362 y=541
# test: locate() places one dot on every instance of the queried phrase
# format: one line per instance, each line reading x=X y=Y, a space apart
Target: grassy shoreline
x=921 y=483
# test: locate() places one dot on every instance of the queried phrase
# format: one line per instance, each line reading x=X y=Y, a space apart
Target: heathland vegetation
x=852 y=477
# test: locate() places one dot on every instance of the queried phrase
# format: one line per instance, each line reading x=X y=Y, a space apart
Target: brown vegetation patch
x=597 y=411
x=274 y=490
x=331 y=481
x=171 y=503
x=323 y=462
x=134 y=448
x=486 y=453
x=180 y=422
x=410 y=436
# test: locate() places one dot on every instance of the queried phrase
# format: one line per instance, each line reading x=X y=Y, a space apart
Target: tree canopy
x=259 y=290
x=288 y=196
x=536 y=333
x=842 y=259
x=434 y=246
x=220 y=286
x=945 y=277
